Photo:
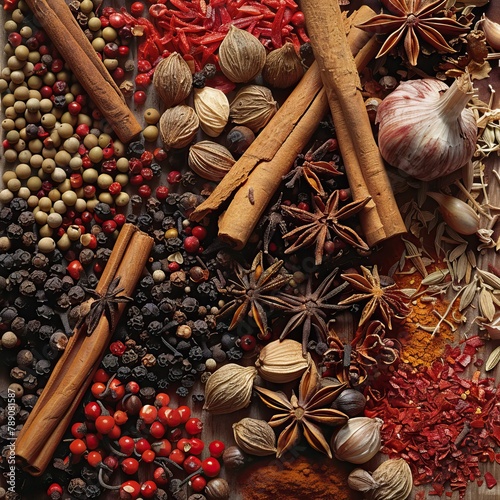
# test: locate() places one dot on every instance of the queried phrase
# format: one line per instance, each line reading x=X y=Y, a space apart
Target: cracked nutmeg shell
x=173 y=79
x=210 y=160
x=178 y=126
x=255 y=437
x=241 y=55
x=229 y=389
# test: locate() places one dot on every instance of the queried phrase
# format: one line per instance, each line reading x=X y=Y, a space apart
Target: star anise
x=303 y=415
x=413 y=19
x=389 y=300
x=317 y=226
x=106 y=303
x=310 y=308
x=252 y=290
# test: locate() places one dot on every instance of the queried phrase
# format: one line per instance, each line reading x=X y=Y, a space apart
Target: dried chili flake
x=490 y=480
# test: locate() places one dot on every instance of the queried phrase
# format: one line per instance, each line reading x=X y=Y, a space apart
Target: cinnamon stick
x=258 y=186
x=67 y=36
x=341 y=80
x=72 y=375
x=272 y=137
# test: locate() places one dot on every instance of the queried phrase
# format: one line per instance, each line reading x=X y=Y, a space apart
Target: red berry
x=94 y=458
x=120 y=417
x=160 y=154
x=54 y=488
x=82 y=130
x=184 y=444
x=211 y=467
x=298 y=19
x=109 y=226
x=198 y=483
x=344 y=194
x=216 y=448
x=185 y=413
x=136 y=180
x=78 y=447
x=147 y=173
x=118 y=73
x=162 y=399
x=120 y=219
x=162 y=448
x=93 y=441
x=191 y=244
x=148 y=456
x=194 y=426
x=157 y=430
x=303 y=206
x=143 y=66
x=144 y=191
x=129 y=465
x=248 y=342
x=173 y=418
x=148 y=413
x=200 y=232
x=160 y=476
x=104 y=424
x=191 y=464
x=127 y=445
x=117 y=20
x=142 y=80
x=177 y=456
x=174 y=177
x=132 y=387
x=97 y=389
x=197 y=446
x=136 y=9
x=140 y=97
x=78 y=430
x=92 y=410
x=130 y=490
x=74 y=108
x=141 y=445
x=148 y=489
x=173 y=267
x=75 y=269
x=161 y=192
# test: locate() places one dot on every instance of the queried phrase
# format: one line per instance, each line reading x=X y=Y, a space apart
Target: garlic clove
x=491 y=32
x=460 y=216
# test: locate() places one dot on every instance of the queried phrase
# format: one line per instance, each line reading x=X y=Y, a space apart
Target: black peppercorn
x=103 y=210
x=139 y=373
x=110 y=362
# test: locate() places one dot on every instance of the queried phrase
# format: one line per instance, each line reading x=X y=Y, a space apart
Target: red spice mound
x=317 y=478
x=441 y=424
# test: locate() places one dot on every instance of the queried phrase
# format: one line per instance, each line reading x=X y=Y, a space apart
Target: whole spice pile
x=267 y=341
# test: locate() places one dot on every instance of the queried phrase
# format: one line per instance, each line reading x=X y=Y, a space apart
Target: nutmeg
x=283 y=67
x=210 y=160
x=241 y=55
x=217 y=489
x=173 y=79
x=178 y=126
x=253 y=106
x=212 y=107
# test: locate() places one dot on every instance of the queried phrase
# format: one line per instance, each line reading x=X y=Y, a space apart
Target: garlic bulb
x=491 y=32
x=425 y=129
x=460 y=216
x=392 y=480
x=212 y=108
x=358 y=440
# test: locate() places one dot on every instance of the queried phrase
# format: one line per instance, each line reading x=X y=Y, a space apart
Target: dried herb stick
x=364 y=165
x=48 y=421
x=62 y=28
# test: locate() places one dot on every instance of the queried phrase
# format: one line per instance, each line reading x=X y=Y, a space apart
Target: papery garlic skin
x=359 y=440
x=491 y=32
x=425 y=129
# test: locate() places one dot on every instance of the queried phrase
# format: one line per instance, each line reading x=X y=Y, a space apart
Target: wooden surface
x=219 y=427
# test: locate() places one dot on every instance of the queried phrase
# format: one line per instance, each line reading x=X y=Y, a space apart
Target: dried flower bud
x=253 y=107
x=172 y=79
x=241 y=55
x=178 y=126
x=283 y=67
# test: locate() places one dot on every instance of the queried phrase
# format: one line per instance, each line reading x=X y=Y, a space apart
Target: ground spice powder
x=297 y=478
x=419 y=347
